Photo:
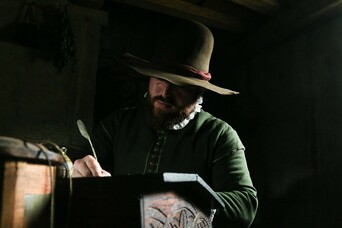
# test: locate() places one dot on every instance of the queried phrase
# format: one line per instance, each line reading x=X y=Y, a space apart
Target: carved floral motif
x=170 y=211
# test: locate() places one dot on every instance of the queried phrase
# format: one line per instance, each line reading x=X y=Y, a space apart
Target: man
x=171 y=133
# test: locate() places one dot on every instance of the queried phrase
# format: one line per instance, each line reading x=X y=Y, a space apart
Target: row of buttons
x=156 y=151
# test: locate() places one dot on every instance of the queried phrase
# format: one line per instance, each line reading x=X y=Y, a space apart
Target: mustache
x=169 y=100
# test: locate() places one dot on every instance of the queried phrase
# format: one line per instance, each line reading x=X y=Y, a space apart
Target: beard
x=160 y=119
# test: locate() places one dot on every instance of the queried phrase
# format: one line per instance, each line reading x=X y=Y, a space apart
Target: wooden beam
x=267 y=7
x=185 y=10
x=305 y=14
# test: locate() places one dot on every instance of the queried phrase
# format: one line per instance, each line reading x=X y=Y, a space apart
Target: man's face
x=170 y=104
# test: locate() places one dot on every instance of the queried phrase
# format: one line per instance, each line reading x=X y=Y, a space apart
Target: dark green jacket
x=207 y=146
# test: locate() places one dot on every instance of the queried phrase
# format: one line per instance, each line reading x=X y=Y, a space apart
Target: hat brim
x=143 y=67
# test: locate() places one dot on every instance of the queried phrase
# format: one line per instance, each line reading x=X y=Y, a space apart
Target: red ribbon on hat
x=201 y=73
x=180 y=68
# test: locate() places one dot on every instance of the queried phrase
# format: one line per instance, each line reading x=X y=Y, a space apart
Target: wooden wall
x=295 y=143
x=39 y=101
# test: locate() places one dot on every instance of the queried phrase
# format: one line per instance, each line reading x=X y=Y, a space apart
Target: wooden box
x=27 y=179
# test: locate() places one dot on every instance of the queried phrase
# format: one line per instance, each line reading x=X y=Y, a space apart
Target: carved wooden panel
x=168 y=210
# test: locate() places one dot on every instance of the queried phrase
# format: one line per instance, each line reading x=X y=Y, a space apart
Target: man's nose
x=167 y=89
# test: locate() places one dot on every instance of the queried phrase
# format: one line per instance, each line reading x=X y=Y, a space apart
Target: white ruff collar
x=198 y=108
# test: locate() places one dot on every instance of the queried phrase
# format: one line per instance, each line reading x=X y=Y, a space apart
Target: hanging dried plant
x=64 y=40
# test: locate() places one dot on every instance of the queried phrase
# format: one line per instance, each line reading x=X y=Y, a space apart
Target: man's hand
x=88 y=167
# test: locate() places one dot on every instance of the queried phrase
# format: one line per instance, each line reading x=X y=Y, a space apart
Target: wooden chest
x=27 y=179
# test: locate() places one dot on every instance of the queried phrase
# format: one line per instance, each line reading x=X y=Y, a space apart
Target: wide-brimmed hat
x=182 y=57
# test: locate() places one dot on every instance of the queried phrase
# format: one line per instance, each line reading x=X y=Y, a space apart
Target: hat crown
x=189 y=43
x=182 y=57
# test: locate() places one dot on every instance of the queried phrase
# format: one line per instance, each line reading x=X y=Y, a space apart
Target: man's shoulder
x=210 y=122
x=207 y=118
x=125 y=111
x=118 y=115
x=217 y=127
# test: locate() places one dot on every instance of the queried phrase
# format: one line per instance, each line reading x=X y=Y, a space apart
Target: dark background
x=288 y=114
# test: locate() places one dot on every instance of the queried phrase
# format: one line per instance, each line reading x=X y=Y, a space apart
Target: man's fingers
x=104 y=173
x=76 y=173
x=93 y=166
x=88 y=167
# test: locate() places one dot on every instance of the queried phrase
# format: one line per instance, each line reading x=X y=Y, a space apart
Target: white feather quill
x=85 y=134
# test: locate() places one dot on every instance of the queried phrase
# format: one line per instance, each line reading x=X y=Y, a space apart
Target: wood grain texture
x=20 y=179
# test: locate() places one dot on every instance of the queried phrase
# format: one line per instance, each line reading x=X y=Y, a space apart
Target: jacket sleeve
x=103 y=136
x=232 y=182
